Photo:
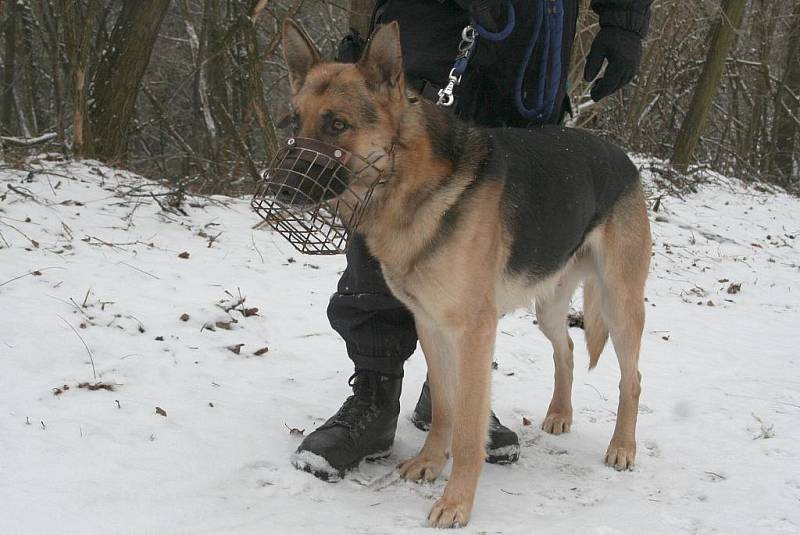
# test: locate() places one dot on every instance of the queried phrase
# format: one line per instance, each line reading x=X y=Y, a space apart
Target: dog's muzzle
x=306 y=195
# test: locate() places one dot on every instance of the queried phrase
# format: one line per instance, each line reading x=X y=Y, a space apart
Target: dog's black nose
x=283 y=185
x=286 y=194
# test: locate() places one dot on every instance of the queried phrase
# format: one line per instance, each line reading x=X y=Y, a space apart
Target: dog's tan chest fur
x=463 y=270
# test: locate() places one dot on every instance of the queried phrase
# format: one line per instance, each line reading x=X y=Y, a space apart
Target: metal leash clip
x=467 y=38
x=446 y=97
x=465 y=48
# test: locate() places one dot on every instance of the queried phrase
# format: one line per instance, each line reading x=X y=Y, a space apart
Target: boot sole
x=378 y=455
x=420 y=423
x=320 y=468
x=503 y=455
x=317 y=466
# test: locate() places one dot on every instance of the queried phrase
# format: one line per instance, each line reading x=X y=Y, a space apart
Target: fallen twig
x=19 y=191
x=34 y=272
x=33 y=242
x=140 y=270
x=28 y=141
x=89 y=351
x=253 y=239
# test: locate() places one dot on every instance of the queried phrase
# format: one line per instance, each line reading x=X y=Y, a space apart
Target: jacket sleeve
x=631 y=15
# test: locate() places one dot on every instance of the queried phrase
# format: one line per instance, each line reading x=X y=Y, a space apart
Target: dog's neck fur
x=436 y=158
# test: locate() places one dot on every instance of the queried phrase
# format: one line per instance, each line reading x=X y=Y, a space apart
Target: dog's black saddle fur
x=560 y=183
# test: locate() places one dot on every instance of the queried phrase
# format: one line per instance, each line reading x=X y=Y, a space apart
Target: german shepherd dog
x=471 y=223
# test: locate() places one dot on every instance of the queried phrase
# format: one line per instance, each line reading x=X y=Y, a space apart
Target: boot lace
x=360 y=408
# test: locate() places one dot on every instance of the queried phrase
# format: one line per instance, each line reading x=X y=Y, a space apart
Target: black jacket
x=430 y=31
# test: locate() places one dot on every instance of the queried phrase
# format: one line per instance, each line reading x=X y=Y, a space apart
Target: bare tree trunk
x=51 y=24
x=360 y=15
x=763 y=32
x=201 y=93
x=9 y=69
x=18 y=75
x=212 y=53
x=31 y=108
x=787 y=110
x=254 y=87
x=119 y=75
x=22 y=120
x=77 y=34
x=703 y=97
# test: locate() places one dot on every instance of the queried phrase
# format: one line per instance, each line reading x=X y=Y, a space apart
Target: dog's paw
x=557 y=423
x=449 y=513
x=422 y=467
x=621 y=455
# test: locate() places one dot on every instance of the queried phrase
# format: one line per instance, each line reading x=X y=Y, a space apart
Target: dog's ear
x=382 y=61
x=299 y=52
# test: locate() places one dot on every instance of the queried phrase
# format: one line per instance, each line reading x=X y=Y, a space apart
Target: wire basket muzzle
x=307 y=195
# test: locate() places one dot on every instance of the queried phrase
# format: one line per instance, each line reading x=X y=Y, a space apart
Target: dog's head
x=353 y=107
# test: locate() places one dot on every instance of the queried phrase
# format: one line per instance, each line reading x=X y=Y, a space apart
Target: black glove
x=623 y=50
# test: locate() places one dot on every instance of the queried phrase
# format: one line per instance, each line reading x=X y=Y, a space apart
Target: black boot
x=503 y=447
x=363 y=428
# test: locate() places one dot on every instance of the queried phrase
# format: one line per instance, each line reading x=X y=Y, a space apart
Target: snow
x=86 y=247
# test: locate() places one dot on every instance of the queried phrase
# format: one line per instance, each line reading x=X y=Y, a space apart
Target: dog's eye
x=337 y=125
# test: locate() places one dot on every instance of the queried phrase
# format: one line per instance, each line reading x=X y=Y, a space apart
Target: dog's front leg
x=440 y=357
x=474 y=345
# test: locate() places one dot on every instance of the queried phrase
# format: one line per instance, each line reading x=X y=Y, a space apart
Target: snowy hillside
x=152 y=364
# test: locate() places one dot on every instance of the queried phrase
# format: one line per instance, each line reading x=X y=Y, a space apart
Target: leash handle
x=549 y=20
x=502 y=34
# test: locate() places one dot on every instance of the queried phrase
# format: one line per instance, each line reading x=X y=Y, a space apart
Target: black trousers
x=378 y=329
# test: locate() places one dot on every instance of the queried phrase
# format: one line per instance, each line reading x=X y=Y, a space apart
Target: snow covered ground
x=195 y=435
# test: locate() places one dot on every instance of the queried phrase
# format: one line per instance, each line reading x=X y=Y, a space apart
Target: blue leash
x=549 y=81
x=502 y=34
x=548 y=17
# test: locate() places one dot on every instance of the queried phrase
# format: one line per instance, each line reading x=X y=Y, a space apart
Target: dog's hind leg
x=439 y=355
x=623 y=263
x=551 y=313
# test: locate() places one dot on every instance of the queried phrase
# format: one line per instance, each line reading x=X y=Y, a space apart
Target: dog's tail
x=593 y=323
